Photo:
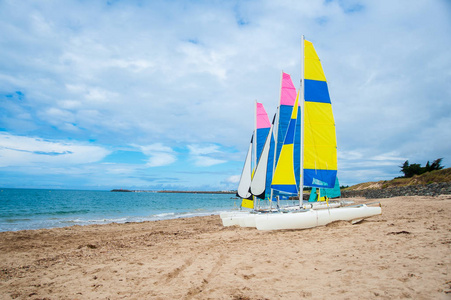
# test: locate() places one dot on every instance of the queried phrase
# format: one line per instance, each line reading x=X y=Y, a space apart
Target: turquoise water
x=34 y=209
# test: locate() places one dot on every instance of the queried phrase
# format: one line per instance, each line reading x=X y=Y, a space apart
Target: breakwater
x=433 y=189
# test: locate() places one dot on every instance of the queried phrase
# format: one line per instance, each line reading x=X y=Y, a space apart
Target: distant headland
x=164 y=191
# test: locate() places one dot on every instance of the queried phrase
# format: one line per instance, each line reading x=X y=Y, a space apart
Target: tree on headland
x=410 y=170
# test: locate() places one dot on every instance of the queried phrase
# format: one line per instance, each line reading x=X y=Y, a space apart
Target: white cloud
x=29 y=151
x=134 y=65
x=160 y=155
x=187 y=73
x=202 y=155
x=159 y=159
x=203 y=150
x=99 y=95
x=205 y=161
x=233 y=179
x=203 y=60
x=157 y=147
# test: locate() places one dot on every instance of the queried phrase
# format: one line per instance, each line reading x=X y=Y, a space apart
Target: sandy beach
x=403 y=253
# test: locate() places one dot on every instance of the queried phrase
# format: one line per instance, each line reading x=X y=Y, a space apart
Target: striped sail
x=284 y=179
x=262 y=126
x=320 y=143
x=264 y=135
x=285 y=109
x=287 y=99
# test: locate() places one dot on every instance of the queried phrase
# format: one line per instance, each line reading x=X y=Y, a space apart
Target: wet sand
x=403 y=253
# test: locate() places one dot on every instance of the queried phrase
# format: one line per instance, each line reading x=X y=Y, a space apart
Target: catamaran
x=300 y=149
x=255 y=182
x=318 y=155
x=263 y=128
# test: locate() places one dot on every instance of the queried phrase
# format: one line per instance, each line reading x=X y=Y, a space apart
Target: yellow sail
x=320 y=142
x=284 y=179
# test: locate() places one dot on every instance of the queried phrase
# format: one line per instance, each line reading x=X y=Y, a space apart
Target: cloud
x=202 y=155
x=205 y=161
x=160 y=155
x=173 y=74
x=22 y=151
x=203 y=150
x=233 y=179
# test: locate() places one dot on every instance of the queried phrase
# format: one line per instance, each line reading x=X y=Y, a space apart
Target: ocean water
x=34 y=208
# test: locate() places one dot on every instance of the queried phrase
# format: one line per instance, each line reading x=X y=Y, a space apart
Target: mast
x=301 y=92
x=255 y=149
x=255 y=130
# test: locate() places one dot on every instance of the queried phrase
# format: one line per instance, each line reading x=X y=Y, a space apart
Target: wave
x=40 y=209
x=31 y=224
x=43 y=213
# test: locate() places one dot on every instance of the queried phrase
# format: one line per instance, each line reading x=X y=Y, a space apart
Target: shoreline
x=30 y=209
x=173 y=192
x=119 y=221
x=402 y=253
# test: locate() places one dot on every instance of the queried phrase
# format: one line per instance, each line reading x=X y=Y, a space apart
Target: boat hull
x=324 y=204
x=233 y=218
x=247 y=218
x=313 y=218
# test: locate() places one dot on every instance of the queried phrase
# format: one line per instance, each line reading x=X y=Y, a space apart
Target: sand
x=404 y=253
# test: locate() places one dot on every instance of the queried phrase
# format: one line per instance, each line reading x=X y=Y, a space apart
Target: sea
x=23 y=209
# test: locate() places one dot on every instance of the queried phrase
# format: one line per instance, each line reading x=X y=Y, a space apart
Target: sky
x=160 y=94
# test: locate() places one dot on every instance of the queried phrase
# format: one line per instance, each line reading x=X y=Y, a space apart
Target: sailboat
x=265 y=151
x=263 y=129
x=258 y=186
x=318 y=155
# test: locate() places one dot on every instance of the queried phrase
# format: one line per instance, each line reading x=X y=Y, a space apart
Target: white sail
x=258 y=184
x=246 y=175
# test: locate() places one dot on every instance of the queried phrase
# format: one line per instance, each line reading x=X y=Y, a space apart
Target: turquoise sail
x=329 y=193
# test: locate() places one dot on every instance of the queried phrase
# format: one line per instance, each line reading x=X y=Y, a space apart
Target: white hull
x=312 y=218
x=247 y=218
x=324 y=204
x=242 y=219
x=231 y=218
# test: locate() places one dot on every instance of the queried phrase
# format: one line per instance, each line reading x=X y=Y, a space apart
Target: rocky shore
x=433 y=189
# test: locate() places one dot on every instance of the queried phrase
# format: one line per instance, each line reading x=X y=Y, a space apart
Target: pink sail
x=288 y=92
x=262 y=117
x=287 y=100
